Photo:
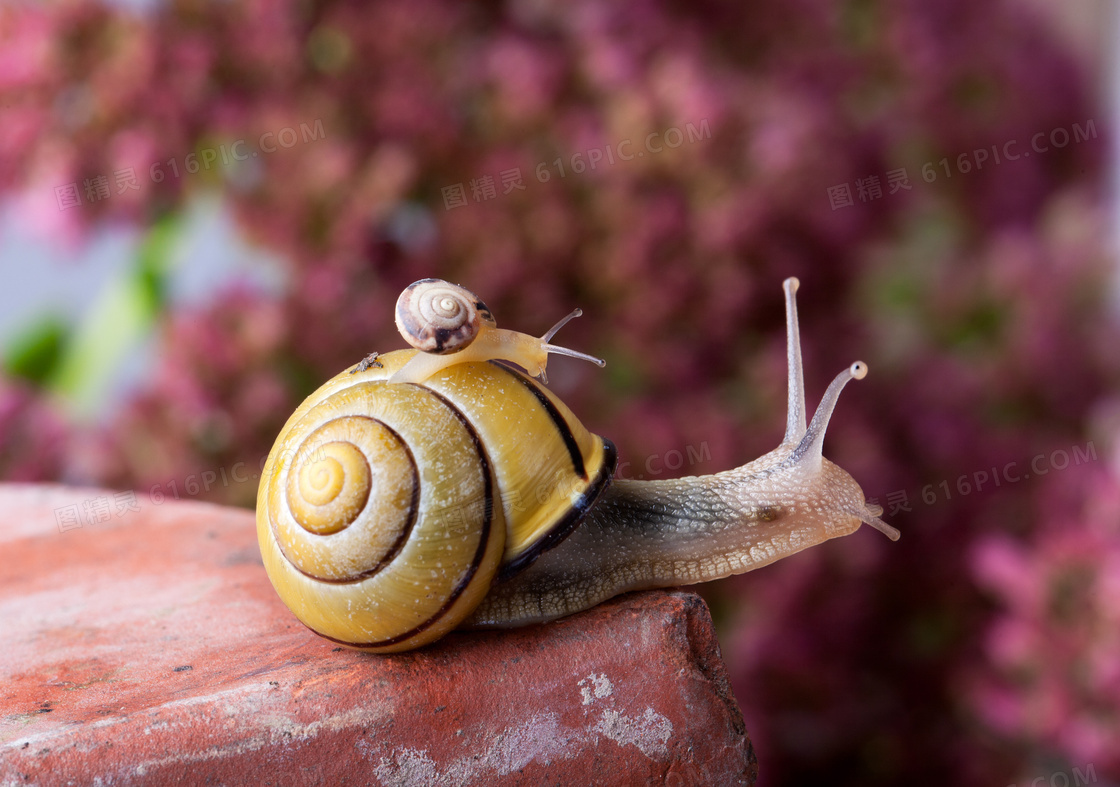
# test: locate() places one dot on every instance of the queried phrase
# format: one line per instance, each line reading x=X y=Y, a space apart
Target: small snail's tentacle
x=557 y=350
x=554 y=349
x=577 y=312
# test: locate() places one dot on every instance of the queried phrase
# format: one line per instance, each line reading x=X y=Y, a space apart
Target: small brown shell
x=438 y=317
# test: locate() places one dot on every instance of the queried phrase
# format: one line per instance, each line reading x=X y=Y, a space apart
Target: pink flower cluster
x=1052 y=653
x=978 y=300
x=32 y=435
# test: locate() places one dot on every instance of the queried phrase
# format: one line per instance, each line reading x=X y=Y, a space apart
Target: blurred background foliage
x=981 y=649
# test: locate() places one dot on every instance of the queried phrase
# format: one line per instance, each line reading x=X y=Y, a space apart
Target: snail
x=439 y=487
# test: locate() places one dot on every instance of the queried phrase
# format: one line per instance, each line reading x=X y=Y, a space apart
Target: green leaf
x=35 y=353
x=121 y=317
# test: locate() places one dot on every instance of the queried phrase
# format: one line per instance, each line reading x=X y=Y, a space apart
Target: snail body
x=439 y=488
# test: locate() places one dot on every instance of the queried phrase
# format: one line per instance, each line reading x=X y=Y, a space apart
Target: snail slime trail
x=401 y=498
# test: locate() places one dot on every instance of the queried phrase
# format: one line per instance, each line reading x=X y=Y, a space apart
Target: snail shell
x=438 y=317
x=387 y=510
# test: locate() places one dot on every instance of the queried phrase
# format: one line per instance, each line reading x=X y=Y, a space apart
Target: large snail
x=435 y=488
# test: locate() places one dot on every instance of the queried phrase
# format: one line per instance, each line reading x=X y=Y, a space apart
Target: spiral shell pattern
x=387 y=510
x=438 y=317
x=382 y=530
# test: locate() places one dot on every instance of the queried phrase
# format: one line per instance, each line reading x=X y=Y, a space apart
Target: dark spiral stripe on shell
x=557 y=420
x=480 y=552
x=402 y=539
x=570 y=521
x=484 y=313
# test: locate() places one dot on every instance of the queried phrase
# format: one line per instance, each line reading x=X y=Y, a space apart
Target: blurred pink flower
x=978 y=299
x=33 y=439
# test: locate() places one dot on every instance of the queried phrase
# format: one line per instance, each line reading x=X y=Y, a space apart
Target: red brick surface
x=150 y=648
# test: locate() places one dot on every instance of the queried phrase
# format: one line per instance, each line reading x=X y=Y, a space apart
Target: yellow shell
x=386 y=509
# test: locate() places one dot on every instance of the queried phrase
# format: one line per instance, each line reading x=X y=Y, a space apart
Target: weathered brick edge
x=150 y=648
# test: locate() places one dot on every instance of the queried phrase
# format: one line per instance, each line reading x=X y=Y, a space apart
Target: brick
x=149 y=647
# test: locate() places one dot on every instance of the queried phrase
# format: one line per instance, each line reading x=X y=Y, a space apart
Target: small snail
x=435 y=488
x=450 y=326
